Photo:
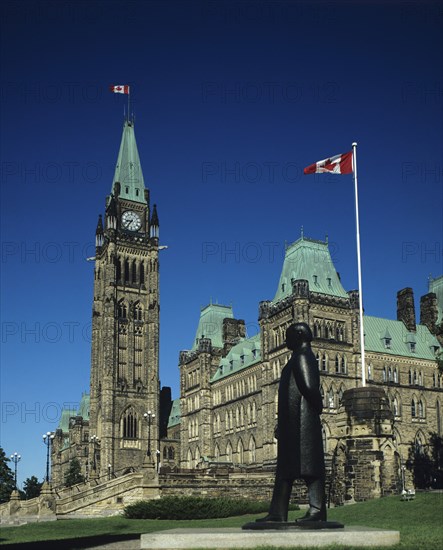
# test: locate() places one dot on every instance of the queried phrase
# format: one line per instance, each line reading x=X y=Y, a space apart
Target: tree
x=74 y=475
x=427 y=467
x=7 y=483
x=31 y=488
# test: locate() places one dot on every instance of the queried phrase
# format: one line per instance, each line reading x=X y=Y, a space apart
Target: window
x=331 y=400
x=323 y=363
x=412 y=347
x=395 y=406
x=421 y=410
x=343 y=365
x=413 y=408
x=337 y=364
x=122 y=310
x=130 y=425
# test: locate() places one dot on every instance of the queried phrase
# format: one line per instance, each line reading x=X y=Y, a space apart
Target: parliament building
x=225 y=416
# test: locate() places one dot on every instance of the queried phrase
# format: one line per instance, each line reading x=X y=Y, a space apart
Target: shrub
x=193 y=508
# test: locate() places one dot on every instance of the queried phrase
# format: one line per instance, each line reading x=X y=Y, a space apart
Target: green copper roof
x=210 y=324
x=64 y=419
x=175 y=414
x=436 y=286
x=242 y=355
x=310 y=260
x=83 y=410
x=402 y=342
x=128 y=170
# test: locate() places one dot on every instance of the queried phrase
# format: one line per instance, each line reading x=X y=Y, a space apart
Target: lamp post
x=15 y=459
x=149 y=417
x=48 y=438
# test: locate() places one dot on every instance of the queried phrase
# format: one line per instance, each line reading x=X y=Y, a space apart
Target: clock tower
x=124 y=402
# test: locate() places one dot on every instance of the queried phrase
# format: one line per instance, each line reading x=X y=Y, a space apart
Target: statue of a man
x=299 y=432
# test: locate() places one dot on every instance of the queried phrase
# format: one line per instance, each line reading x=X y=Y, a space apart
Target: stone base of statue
x=264 y=525
x=230 y=537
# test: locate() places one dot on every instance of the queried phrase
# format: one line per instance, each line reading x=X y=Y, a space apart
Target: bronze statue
x=299 y=432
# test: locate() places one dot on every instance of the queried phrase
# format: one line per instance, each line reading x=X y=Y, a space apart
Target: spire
x=99 y=233
x=155 y=224
x=128 y=171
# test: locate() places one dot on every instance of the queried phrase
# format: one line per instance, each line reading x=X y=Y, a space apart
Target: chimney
x=429 y=311
x=233 y=331
x=406 y=308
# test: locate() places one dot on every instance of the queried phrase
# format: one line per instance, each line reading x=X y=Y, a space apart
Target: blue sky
x=232 y=100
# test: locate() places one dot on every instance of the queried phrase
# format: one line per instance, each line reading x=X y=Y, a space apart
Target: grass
x=420 y=523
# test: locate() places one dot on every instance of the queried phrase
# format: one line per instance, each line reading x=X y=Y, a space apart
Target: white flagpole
x=360 y=292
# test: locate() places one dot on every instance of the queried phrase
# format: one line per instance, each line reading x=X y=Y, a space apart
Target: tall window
x=413 y=411
x=130 y=424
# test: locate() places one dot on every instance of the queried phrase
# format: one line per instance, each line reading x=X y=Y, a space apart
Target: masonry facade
x=229 y=383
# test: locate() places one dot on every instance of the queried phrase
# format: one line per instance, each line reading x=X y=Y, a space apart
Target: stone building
x=226 y=412
x=229 y=382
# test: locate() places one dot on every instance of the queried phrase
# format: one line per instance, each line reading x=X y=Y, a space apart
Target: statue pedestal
x=236 y=538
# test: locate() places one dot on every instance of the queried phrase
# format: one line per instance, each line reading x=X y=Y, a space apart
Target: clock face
x=131 y=220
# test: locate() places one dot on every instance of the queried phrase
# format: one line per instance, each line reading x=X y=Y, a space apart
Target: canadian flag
x=339 y=164
x=119 y=89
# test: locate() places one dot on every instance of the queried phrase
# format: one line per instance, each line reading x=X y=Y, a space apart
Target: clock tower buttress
x=125 y=323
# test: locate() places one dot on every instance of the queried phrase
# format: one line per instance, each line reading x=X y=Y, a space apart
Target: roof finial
x=327 y=238
x=301 y=232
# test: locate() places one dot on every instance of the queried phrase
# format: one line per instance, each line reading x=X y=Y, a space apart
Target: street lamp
x=149 y=417
x=15 y=459
x=48 y=438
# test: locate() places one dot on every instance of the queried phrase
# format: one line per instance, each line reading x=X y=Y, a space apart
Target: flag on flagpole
x=339 y=164
x=120 y=89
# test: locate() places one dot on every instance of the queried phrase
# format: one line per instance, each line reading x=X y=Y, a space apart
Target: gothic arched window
x=122 y=310
x=130 y=424
x=142 y=273
x=138 y=312
x=413 y=411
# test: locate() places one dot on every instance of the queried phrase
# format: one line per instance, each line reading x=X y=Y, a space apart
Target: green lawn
x=420 y=523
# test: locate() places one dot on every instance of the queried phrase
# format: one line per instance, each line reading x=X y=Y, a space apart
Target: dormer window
x=127 y=189
x=387 y=342
x=329 y=282
x=137 y=192
x=412 y=347
x=283 y=287
x=242 y=359
x=315 y=279
x=254 y=353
